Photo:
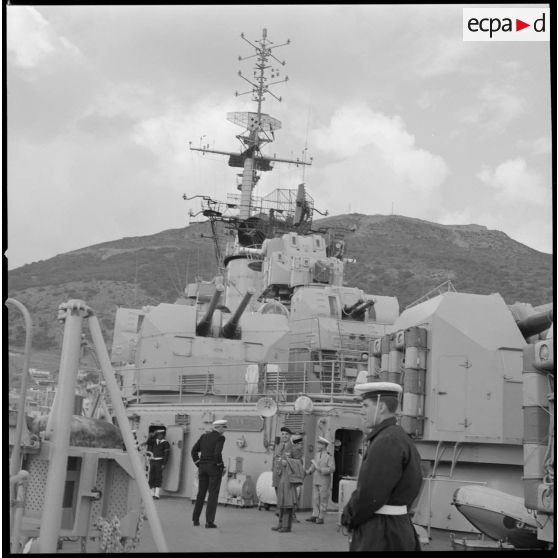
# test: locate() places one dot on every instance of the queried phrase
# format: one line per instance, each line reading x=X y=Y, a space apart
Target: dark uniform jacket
x=390 y=474
x=209 y=448
x=161 y=449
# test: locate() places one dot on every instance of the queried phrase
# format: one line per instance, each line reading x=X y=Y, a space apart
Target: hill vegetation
x=394 y=256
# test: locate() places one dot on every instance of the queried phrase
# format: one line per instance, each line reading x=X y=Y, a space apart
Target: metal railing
x=15 y=458
x=445 y=287
x=283 y=381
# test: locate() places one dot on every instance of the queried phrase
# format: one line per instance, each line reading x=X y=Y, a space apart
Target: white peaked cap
x=378 y=388
x=323 y=440
x=221 y=422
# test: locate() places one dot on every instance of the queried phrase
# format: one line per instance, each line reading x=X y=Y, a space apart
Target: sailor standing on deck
x=389 y=479
x=160 y=451
x=207 y=456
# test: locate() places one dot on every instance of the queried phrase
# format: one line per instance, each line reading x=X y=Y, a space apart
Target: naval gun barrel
x=358 y=311
x=348 y=309
x=204 y=325
x=231 y=330
x=536 y=323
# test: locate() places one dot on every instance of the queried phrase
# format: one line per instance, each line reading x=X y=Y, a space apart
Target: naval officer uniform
x=389 y=478
x=207 y=456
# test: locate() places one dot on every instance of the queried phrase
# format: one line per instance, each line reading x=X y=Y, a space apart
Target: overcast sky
x=399 y=114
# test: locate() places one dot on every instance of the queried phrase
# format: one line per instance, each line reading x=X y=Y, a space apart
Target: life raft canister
x=412 y=418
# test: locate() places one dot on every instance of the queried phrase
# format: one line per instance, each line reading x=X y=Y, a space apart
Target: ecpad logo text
x=506 y=24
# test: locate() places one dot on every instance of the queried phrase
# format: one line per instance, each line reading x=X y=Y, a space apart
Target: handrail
x=15 y=460
x=278 y=384
x=446 y=286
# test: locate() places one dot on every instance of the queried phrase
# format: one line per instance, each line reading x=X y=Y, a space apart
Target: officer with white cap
x=322 y=468
x=389 y=479
x=207 y=456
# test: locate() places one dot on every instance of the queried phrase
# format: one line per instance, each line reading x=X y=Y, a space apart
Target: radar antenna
x=259 y=127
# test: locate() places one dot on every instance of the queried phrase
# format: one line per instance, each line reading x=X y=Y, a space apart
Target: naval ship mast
x=259 y=130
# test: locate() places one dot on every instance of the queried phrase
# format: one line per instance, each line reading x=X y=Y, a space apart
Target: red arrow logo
x=519 y=25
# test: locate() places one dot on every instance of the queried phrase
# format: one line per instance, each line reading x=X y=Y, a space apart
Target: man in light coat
x=322 y=467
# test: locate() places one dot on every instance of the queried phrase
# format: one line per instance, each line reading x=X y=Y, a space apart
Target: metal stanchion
x=72 y=313
x=127 y=435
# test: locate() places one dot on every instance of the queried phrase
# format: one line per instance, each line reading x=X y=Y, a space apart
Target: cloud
x=528 y=225
x=514 y=182
x=442 y=56
x=457 y=217
x=108 y=135
x=356 y=132
x=540 y=146
x=30 y=39
x=496 y=108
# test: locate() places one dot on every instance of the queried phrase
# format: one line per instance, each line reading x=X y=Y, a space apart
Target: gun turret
x=348 y=309
x=536 y=323
x=231 y=330
x=358 y=312
x=204 y=325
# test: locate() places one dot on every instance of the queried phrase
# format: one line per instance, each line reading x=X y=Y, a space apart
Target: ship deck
x=242 y=530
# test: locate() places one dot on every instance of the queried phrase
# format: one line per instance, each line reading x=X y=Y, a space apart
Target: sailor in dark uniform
x=206 y=454
x=389 y=479
x=160 y=450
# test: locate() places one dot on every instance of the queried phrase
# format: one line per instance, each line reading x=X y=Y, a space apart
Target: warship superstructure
x=276 y=339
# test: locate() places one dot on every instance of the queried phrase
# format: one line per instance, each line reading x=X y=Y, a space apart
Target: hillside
x=395 y=255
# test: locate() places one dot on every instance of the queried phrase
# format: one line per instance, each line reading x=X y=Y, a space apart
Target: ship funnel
x=535 y=324
x=203 y=327
x=231 y=330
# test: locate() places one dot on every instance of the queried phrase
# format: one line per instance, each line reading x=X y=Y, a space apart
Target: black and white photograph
x=280 y=278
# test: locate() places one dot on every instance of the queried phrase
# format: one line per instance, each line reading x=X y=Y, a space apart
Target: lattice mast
x=259 y=127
